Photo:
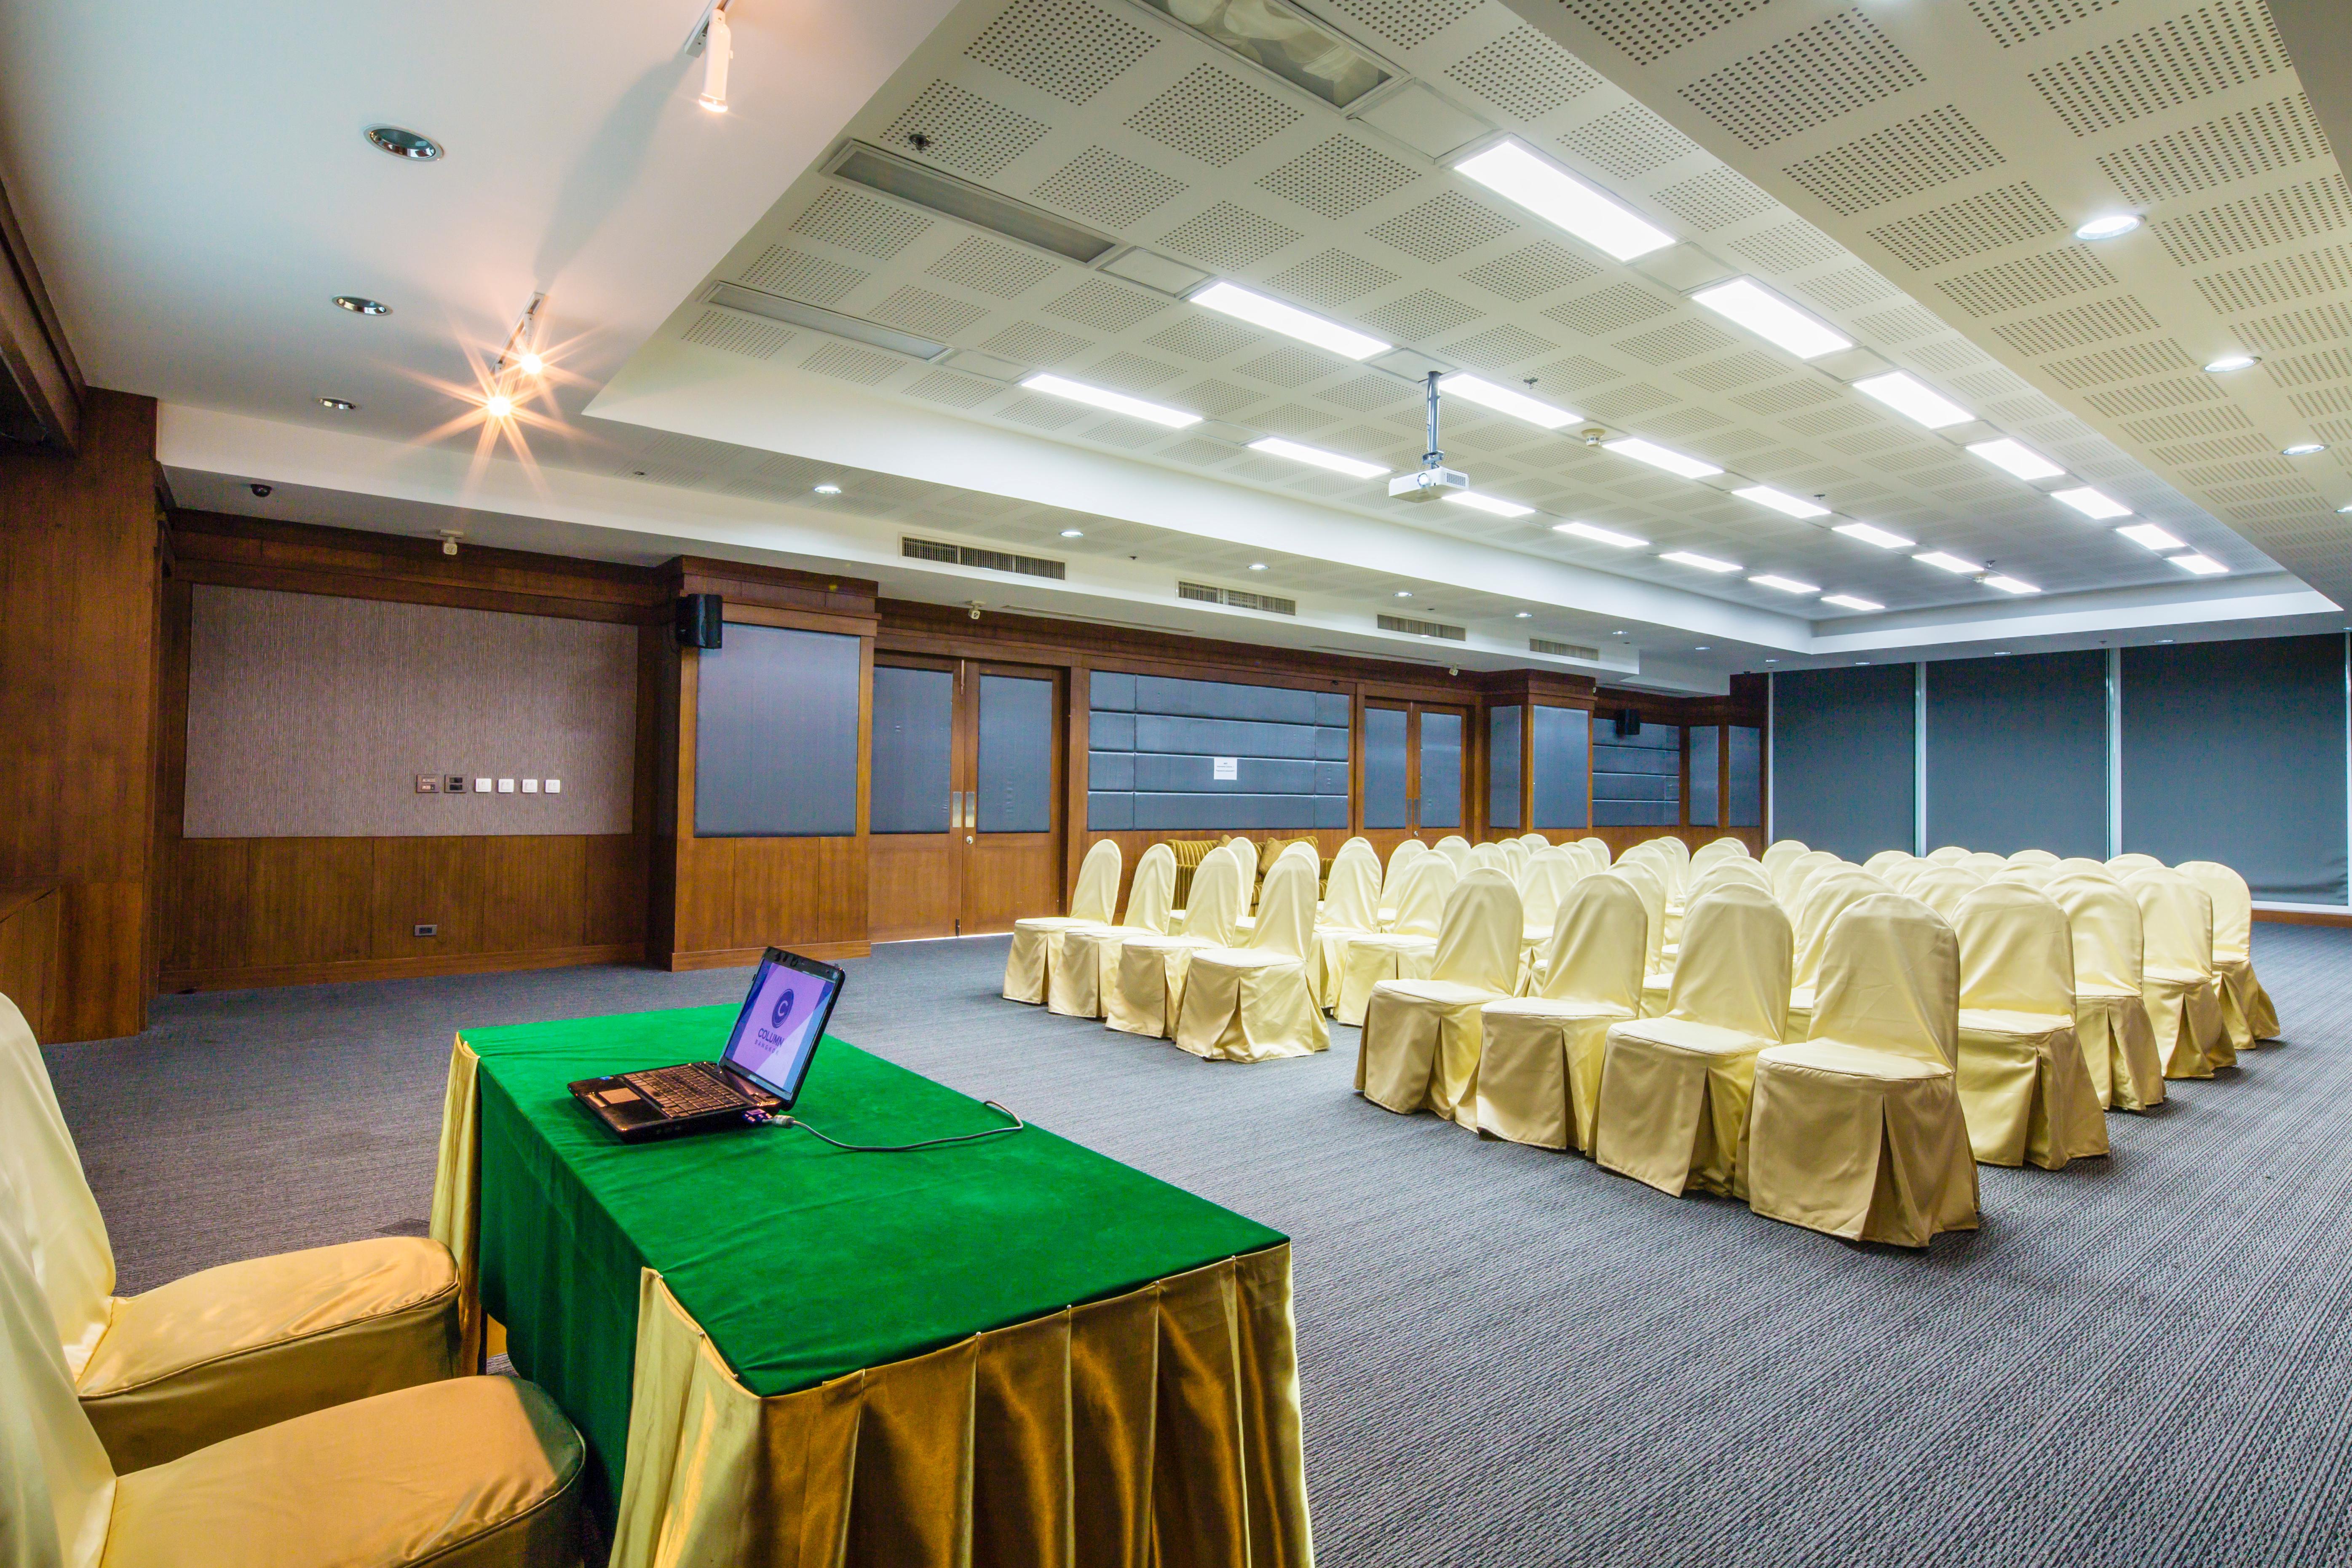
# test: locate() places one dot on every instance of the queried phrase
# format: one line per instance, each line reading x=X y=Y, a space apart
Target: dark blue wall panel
x=1842 y=758
x=775 y=735
x=1636 y=779
x=2017 y=754
x=1747 y=776
x=1704 y=811
x=1153 y=741
x=1503 y=767
x=1015 y=791
x=1558 y=741
x=1384 y=768
x=1441 y=770
x=914 y=729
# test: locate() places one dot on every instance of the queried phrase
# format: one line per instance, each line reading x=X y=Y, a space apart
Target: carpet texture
x=1507 y=1355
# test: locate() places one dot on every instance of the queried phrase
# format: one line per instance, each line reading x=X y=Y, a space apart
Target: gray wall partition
x=1384 y=768
x=914 y=735
x=1842 y=758
x=1503 y=767
x=1559 y=737
x=1014 y=787
x=1637 y=779
x=1441 y=770
x=1158 y=746
x=1704 y=740
x=1747 y=776
x=2017 y=754
x=775 y=735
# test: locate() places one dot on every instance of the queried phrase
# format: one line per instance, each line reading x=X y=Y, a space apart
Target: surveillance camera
x=974 y=611
x=1451 y=669
x=261 y=492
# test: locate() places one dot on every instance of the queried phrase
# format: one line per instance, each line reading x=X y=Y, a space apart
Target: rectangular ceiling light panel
x=1513 y=170
x=1944 y=563
x=1870 y=533
x=1659 y=457
x=2147 y=536
x=1704 y=563
x=2010 y=585
x=1850 y=601
x=1495 y=505
x=1748 y=303
x=2016 y=457
x=1286 y=41
x=1914 y=399
x=1116 y=402
x=2199 y=565
x=1503 y=400
x=910 y=181
x=1258 y=311
x=1354 y=468
x=1781 y=502
x=1784 y=585
x=1600 y=535
x=2092 y=503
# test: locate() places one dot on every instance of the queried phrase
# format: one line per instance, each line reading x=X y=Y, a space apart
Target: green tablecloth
x=802 y=1262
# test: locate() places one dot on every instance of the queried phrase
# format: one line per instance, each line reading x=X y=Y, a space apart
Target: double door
x=965 y=829
x=1415 y=778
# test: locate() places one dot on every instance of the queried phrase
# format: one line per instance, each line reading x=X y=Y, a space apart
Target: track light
x=717 y=48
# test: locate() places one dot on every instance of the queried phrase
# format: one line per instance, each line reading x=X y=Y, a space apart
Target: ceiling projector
x=1428 y=484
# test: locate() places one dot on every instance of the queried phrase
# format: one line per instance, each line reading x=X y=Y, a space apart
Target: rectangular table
x=1014 y=1350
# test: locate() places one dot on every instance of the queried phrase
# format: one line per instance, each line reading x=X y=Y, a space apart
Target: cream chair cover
x=1489 y=857
x=1152 y=969
x=1405 y=951
x=2120 y=865
x=1857 y=1130
x=1947 y=854
x=1037 y=940
x=1351 y=907
x=1648 y=879
x=1778 y=853
x=1393 y=883
x=225 y=1350
x=1673 y=1094
x=1985 y=864
x=1421 y=1038
x=1536 y=842
x=1549 y=874
x=2184 y=1001
x=1883 y=864
x=1245 y=851
x=2027 y=874
x=1600 y=849
x=2032 y=857
x=1251 y=1003
x=2110 y=1013
x=2080 y=866
x=1516 y=856
x=1713 y=851
x=1825 y=898
x=1943 y=888
x=1540 y=1055
x=1723 y=873
x=2246 y=1010
x=2025 y=1090
x=1081 y=984
x=1788 y=881
x=1456 y=848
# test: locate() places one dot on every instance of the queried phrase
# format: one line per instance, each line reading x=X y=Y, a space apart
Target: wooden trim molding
x=41 y=388
x=258 y=976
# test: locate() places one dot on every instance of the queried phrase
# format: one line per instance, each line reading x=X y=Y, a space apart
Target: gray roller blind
x=1558 y=741
x=1384 y=768
x=1842 y=758
x=1503 y=767
x=1015 y=783
x=1441 y=770
x=775 y=735
x=914 y=729
x=2017 y=754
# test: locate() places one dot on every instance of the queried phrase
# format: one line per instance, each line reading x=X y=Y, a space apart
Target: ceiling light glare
x=1600 y=535
x=1914 y=399
x=1496 y=505
x=1781 y=502
x=1257 y=565
x=2010 y=585
x=1870 y=533
x=2016 y=457
x=1116 y=402
x=1849 y=602
x=1944 y=563
x=1704 y=563
x=1659 y=457
x=717 y=48
x=2302 y=449
x=339 y=405
x=827 y=489
x=2112 y=226
x=1513 y=171
x=1523 y=615
x=2199 y=565
x=499 y=405
x=530 y=364
x=1315 y=456
x=1404 y=592
x=1784 y=585
x=1503 y=400
x=1258 y=311
x=1749 y=304
x=2229 y=363
x=1073 y=534
x=2092 y=503
x=2147 y=536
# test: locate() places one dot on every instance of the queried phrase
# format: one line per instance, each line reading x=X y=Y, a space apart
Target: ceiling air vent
x=944 y=194
x=1424 y=628
x=1563 y=649
x=988 y=560
x=1239 y=598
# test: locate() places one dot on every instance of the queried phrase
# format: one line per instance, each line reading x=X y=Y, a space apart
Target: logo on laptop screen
x=783 y=1009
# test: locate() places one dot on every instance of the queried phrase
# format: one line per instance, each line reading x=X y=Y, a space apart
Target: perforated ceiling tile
x=1292 y=419
x=1111 y=190
x=2014 y=22
x=1200 y=452
x=870 y=228
x=1625 y=401
x=1369 y=393
x=1227 y=238
x=1628 y=142
x=1332 y=279
x=987 y=267
x=1105 y=306
x=1499 y=348
x=1213 y=115
x=2325 y=270
x=1407 y=24
x=1782 y=399
x=1131 y=372
x=2214 y=449
x=1576 y=371
x=2303 y=370
x=955 y=390
x=1542 y=268
x=1827 y=421
x=1789 y=246
x=1042 y=412
x=1525 y=74
x=1128 y=433
x=2193 y=422
x=2244 y=469
x=1713 y=200
x=2298 y=329
x=2127 y=364
x=1745 y=368
x=1027 y=343
x=1217 y=398
x=1684 y=422
x=2077 y=326
x=2221 y=44
x=1920 y=154
x=1608 y=309
x=1443 y=227
x=1833 y=67
x=932 y=315
x=1680 y=340
x=963 y=131
x=1899 y=325
x=2275 y=135
x=1420 y=315
x=2322 y=400
x=1203 y=337
x=1291 y=366
x=1338 y=176
x=2031 y=280
x=2006 y=215
x=1847 y=288
x=867 y=367
x=2148 y=397
x=1068 y=47
x=737 y=334
x=800 y=275
x=2257 y=222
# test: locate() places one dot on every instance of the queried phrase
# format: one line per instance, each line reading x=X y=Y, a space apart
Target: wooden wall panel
x=29 y=913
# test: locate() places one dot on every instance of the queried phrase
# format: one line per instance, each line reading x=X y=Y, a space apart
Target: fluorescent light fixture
x=2229 y=363
x=1495 y=505
x=2201 y=565
x=1286 y=41
x=1354 y=468
x=1751 y=305
x=1944 y=563
x=2092 y=503
x=1871 y=533
x=1914 y=399
x=1116 y=402
x=1513 y=171
x=1600 y=535
x=2302 y=449
x=827 y=488
x=2010 y=585
x=1781 y=502
x=1258 y=311
x=1073 y=534
x=1848 y=602
x=2018 y=459
x=1257 y=565
x=2112 y=226
x=1658 y=456
x=1704 y=563
x=2149 y=537
x=1785 y=585
x=717 y=48
x=1503 y=400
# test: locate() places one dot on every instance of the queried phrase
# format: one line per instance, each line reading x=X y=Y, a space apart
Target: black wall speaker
x=1628 y=722
x=701 y=620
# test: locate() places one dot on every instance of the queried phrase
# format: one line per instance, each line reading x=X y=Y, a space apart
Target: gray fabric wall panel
x=775 y=740
x=1842 y=758
x=1441 y=770
x=1331 y=743
x=1284 y=742
x=1636 y=778
x=1224 y=700
x=1192 y=775
x=2235 y=752
x=1225 y=812
x=1015 y=791
x=1503 y=767
x=1384 y=767
x=1558 y=741
x=1704 y=807
x=1110 y=731
x=1112 y=812
x=1111 y=692
x=914 y=730
x=1331 y=778
x=1747 y=776
x=1331 y=709
x=1109 y=771
x=1223 y=737
x=2017 y=754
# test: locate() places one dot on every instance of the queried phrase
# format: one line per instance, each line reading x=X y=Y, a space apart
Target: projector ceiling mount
x=1434 y=478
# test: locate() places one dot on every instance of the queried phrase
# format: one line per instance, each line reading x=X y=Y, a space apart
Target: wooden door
x=1416 y=778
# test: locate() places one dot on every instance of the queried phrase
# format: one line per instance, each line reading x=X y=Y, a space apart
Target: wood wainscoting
x=29 y=913
x=736 y=897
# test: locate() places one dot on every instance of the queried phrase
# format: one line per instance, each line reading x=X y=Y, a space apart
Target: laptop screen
x=783 y=1019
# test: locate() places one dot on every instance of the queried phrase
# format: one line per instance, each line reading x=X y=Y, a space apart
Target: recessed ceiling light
x=1073 y=534
x=1513 y=171
x=2148 y=536
x=1496 y=505
x=1849 y=602
x=499 y=405
x=1258 y=311
x=360 y=305
x=2010 y=585
x=1659 y=457
x=1288 y=42
x=2229 y=363
x=2344 y=511
x=2001 y=653
x=1784 y=585
x=402 y=144
x=2112 y=226
x=530 y=363
x=1772 y=661
x=835 y=490
x=1617 y=633
x=1692 y=558
x=1116 y=402
x=1257 y=565
x=1354 y=468
x=1781 y=502
x=1914 y=399
x=1523 y=615
x=1702 y=648
x=2302 y=449
x=1503 y=400
x=1600 y=535
x=2092 y=503
x=2199 y=565
x=2017 y=459
x=1870 y=533
x=1771 y=317
x=1946 y=562
x=340 y=404
x=1404 y=592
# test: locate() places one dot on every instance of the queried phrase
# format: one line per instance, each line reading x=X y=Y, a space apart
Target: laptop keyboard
x=685 y=1090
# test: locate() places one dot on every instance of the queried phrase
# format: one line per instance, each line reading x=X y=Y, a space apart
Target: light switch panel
x=428 y=784
x=506 y=786
x=555 y=787
x=453 y=784
x=530 y=786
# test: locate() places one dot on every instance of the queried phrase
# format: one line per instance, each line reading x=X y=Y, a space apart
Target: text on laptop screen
x=778 y=1030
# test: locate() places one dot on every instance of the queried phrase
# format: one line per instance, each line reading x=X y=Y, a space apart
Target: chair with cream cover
x=1246 y=852
x=1985 y=864
x=1405 y=951
x=2025 y=1092
x=1079 y=986
x=1789 y=879
x=1778 y=853
x=1539 y=1056
x=2184 y=999
x=1487 y=857
x=2121 y=866
x=1536 y=842
x=1883 y=864
x=1943 y=888
x=2026 y=874
x=1456 y=848
x=2246 y=1010
x=2032 y=857
x=1037 y=948
x=1251 y=1003
x=1149 y=977
x=1857 y=1129
x=1714 y=850
x=1421 y=1038
x=222 y=1351
x=1599 y=848
x=2081 y=866
x=1947 y=854
x=2110 y=1013
x=1542 y=885
x=1673 y=1089
x=1392 y=880
x=1351 y=907
x=1648 y=880
x=1825 y=898
x=1516 y=856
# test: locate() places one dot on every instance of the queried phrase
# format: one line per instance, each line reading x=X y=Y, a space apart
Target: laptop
x=759 y=1074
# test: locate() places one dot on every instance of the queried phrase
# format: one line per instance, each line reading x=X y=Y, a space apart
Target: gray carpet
x=1509 y=1356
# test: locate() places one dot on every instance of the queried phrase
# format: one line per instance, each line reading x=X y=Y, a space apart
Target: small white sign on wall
x=1223 y=768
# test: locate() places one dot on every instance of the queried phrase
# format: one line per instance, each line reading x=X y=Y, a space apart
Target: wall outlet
x=555 y=787
x=453 y=784
x=530 y=786
x=428 y=784
x=506 y=786
x=482 y=786
x=428 y=929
